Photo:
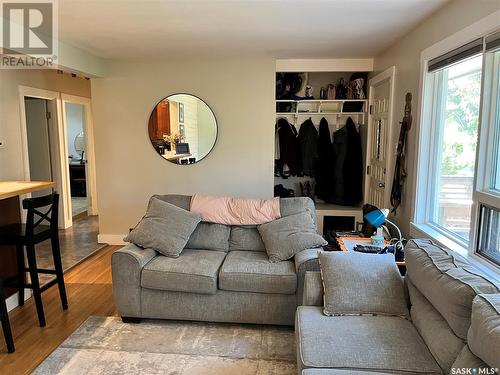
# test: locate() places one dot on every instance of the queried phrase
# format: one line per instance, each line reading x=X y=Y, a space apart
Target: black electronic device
x=182 y=148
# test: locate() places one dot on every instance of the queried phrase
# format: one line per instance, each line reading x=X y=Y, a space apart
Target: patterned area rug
x=108 y=346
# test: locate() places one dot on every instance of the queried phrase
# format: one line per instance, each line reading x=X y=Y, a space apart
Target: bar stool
x=28 y=235
x=4 y=317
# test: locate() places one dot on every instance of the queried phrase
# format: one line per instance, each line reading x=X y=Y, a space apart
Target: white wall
x=405 y=55
x=74 y=120
x=129 y=171
x=78 y=61
x=190 y=105
x=11 y=162
x=207 y=133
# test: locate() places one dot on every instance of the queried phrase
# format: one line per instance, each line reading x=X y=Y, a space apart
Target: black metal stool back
x=35 y=217
x=41 y=224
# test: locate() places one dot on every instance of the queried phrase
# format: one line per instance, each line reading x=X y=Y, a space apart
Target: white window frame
x=420 y=226
x=483 y=194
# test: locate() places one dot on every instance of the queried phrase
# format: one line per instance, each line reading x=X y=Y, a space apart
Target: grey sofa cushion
x=466 y=359
x=182 y=201
x=194 y=271
x=207 y=236
x=285 y=237
x=313 y=289
x=484 y=333
x=210 y=236
x=165 y=228
x=327 y=371
x=245 y=238
x=306 y=260
x=437 y=334
x=447 y=280
x=374 y=343
x=251 y=271
x=296 y=205
x=358 y=283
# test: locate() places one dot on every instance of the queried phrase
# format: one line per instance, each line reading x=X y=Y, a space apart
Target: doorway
x=75 y=120
x=54 y=127
x=78 y=126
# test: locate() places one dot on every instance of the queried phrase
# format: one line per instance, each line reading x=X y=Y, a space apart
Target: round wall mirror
x=182 y=129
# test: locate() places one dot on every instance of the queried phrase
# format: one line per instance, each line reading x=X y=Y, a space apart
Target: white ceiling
x=135 y=29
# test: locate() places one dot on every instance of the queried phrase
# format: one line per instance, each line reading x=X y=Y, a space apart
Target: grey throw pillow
x=484 y=332
x=285 y=237
x=357 y=283
x=165 y=228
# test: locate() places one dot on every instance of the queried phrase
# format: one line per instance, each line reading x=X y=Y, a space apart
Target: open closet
x=321 y=142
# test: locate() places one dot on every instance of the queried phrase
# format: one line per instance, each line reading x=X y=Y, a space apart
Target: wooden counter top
x=9 y=189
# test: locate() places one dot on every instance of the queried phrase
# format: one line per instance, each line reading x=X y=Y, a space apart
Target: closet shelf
x=320 y=100
x=319 y=113
x=320 y=107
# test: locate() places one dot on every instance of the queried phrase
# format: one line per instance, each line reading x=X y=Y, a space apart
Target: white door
x=379 y=149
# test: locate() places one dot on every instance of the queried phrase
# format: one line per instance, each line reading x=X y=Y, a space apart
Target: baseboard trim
x=111 y=239
x=12 y=301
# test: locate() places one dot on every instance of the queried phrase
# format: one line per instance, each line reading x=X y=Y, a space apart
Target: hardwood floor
x=77 y=242
x=89 y=293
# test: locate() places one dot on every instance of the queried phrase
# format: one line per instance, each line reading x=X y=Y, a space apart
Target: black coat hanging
x=289 y=147
x=348 y=166
x=324 y=164
x=308 y=141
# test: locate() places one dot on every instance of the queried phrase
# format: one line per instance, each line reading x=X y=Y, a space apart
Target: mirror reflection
x=182 y=129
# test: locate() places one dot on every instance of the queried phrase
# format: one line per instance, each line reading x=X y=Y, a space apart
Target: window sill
x=427 y=231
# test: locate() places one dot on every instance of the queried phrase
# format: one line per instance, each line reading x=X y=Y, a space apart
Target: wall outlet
x=2 y=144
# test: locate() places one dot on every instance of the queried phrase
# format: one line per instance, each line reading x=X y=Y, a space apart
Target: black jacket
x=324 y=171
x=289 y=147
x=308 y=141
x=348 y=166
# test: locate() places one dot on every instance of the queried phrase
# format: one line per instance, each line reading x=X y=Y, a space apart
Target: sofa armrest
x=313 y=289
x=139 y=255
x=306 y=260
x=126 y=266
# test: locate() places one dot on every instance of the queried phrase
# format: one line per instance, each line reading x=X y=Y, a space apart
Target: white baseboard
x=11 y=302
x=111 y=239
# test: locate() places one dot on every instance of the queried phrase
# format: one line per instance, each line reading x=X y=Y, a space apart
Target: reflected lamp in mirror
x=79 y=145
x=182 y=129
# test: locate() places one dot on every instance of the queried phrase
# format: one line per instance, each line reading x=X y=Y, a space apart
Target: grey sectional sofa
x=222 y=275
x=449 y=330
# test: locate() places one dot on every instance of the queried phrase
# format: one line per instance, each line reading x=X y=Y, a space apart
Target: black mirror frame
x=216 y=127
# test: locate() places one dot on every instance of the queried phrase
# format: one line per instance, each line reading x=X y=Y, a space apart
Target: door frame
x=59 y=170
x=88 y=130
x=390 y=75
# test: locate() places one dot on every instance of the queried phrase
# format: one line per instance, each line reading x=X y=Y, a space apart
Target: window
x=491 y=114
x=458 y=187
x=487 y=191
x=457 y=91
x=489 y=234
